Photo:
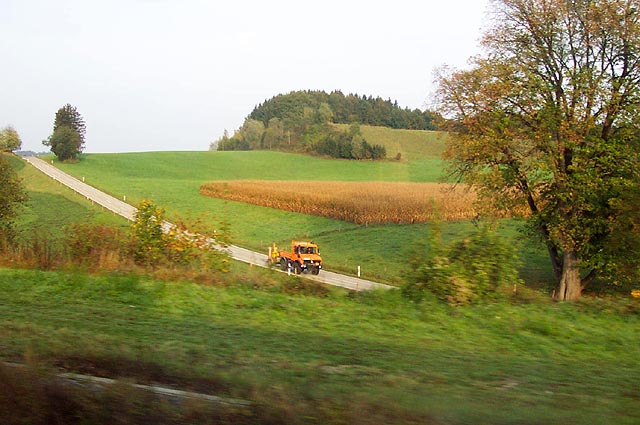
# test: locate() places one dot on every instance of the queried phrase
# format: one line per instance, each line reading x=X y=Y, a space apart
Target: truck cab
x=303 y=258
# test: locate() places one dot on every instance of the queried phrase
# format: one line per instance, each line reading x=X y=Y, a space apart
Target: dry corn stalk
x=357 y=202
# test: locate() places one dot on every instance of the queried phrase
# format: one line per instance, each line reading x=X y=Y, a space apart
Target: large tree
x=67 y=140
x=9 y=139
x=65 y=143
x=545 y=118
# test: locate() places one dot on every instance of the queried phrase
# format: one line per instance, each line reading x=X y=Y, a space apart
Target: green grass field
x=365 y=359
x=172 y=180
x=413 y=145
x=329 y=358
x=51 y=206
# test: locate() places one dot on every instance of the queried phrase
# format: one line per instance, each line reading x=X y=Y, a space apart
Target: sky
x=172 y=75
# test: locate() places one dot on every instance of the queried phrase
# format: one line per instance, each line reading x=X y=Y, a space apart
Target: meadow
x=301 y=353
x=412 y=145
x=51 y=206
x=335 y=358
x=173 y=180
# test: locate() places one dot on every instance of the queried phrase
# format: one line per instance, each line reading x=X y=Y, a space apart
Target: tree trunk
x=570 y=285
x=556 y=260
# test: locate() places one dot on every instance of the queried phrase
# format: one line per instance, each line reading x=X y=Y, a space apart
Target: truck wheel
x=296 y=268
x=283 y=264
x=315 y=270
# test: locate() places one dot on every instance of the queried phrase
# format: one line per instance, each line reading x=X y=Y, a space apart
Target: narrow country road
x=241 y=254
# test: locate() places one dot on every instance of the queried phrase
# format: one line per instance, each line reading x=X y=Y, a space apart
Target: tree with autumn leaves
x=154 y=241
x=547 y=118
x=9 y=139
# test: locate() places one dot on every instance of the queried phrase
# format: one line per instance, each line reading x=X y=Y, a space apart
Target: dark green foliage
x=68 y=116
x=601 y=194
x=233 y=144
x=616 y=257
x=67 y=140
x=312 y=133
x=301 y=121
x=466 y=270
x=341 y=144
x=12 y=195
x=345 y=110
x=65 y=143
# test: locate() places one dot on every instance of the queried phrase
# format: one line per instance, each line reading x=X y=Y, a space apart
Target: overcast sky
x=174 y=74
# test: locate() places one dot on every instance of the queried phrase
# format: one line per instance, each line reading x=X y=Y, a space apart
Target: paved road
x=241 y=254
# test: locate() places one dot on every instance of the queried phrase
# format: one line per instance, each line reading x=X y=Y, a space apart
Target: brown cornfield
x=356 y=202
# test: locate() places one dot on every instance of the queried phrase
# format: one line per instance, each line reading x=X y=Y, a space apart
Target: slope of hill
x=173 y=180
x=414 y=145
x=51 y=206
x=322 y=124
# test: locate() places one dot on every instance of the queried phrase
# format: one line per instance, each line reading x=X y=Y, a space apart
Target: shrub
x=233 y=144
x=94 y=245
x=39 y=250
x=464 y=271
x=187 y=245
x=146 y=234
x=182 y=245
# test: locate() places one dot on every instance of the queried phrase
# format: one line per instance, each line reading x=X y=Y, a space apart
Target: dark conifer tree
x=69 y=116
x=67 y=140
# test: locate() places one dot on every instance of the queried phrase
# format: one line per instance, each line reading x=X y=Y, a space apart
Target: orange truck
x=303 y=258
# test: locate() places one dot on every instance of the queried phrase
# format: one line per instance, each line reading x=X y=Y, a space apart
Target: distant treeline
x=348 y=109
x=303 y=121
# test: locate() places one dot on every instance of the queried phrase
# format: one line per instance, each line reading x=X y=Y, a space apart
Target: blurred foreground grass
x=335 y=358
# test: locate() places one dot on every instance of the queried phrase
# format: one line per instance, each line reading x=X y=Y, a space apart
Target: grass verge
x=52 y=206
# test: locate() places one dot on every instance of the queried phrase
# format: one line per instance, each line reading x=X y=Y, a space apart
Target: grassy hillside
x=333 y=358
x=173 y=180
x=367 y=359
x=413 y=145
x=266 y=165
x=52 y=206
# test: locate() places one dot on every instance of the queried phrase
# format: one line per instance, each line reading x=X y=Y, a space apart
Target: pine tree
x=69 y=116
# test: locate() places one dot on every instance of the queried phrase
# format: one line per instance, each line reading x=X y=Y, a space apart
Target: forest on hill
x=345 y=109
x=303 y=121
